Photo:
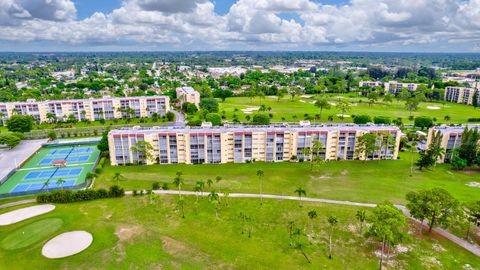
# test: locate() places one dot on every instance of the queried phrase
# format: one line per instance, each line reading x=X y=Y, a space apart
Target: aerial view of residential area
x=239 y=134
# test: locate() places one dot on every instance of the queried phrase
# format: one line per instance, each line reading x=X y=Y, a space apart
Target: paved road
x=179 y=118
x=472 y=248
x=16 y=156
x=17 y=203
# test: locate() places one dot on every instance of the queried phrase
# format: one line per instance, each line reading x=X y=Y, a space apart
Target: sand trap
x=344 y=115
x=332 y=103
x=67 y=244
x=303 y=101
x=433 y=108
x=25 y=213
x=474 y=184
x=250 y=110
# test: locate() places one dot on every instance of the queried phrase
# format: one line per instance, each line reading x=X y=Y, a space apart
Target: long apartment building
x=463 y=95
x=451 y=138
x=188 y=94
x=370 y=84
x=239 y=144
x=394 y=87
x=88 y=109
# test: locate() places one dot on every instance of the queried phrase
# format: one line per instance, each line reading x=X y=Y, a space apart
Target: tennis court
x=39 y=173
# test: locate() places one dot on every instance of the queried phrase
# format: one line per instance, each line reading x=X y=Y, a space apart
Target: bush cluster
x=473 y=119
x=69 y=196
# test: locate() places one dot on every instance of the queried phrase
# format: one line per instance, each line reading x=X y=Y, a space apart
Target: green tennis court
x=53 y=167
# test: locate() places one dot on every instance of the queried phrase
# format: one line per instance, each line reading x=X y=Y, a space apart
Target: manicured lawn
x=30 y=234
x=141 y=233
x=295 y=111
x=362 y=181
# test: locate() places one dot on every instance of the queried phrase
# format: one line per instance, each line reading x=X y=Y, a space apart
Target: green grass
x=32 y=233
x=362 y=181
x=295 y=111
x=137 y=233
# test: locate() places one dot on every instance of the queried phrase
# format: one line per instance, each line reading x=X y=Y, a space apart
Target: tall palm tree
x=301 y=191
x=178 y=181
x=332 y=220
x=60 y=182
x=312 y=214
x=117 y=177
x=199 y=186
x=260 y=175
x=214 y=198
x=322 y=104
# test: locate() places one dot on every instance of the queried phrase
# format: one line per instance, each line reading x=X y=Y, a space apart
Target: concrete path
x=17 y=203
x=472 y=248
x=9 y=159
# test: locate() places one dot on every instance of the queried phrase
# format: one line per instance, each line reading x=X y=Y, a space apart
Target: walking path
x=17 y=203
x=472 y=248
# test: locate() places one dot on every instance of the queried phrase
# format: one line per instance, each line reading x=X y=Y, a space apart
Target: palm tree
x=361 y=216
x=117 y=177
x=322 y=104
x=301 y=191
x=60 y=182
x=332 y=220
x=215 y=200
x=218 y=178
x=260 y=175
x=178 y=181
x=312 y=214
x=199 y=186
x=209 y=183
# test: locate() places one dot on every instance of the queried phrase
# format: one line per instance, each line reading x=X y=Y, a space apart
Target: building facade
x=188 y=94
x=394 y=87
x=461 y=95
x=88 y=109
x=451 y=138
x=239 y=144
x=370 y=84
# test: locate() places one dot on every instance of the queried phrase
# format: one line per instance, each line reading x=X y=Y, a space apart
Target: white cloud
x=189 y=24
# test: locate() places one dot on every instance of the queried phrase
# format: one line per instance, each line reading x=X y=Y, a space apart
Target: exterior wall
x=239 y=145
x=395 y=87
x=89 y=109
x=452 y=138
x=370 y=84
x=462 y=95
x=188 y=94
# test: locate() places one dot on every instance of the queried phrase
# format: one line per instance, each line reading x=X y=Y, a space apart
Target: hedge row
x=473 y=119
x=69 y=196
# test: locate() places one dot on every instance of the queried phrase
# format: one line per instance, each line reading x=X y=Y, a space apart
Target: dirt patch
x=344 y=172
x=431 y=262
x=126 y=232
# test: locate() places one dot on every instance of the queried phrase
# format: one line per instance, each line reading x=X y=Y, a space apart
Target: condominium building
x=88 y=109
x=238 y=144
x=188 y=94
x=394 y=87
x=370 y=84
x=451 y=138
x=458 y=94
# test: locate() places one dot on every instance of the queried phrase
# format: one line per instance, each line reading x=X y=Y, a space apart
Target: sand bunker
x=24 y=213
x=344 y=115
x=433 y=108
x=250 y=110
x=474 y=184
x=67 y=244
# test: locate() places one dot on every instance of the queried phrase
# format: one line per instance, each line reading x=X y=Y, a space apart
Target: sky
x=264 y=25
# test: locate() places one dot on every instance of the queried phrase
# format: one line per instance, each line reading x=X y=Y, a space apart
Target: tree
x=312 y=214
x=209 y=105
x=170 y=116
x=382 y=120
x=294 y=91
x=222 y=94
x=214 y=118
x=322 y=103
x=178 y=181
x=299 y=242
x=261 y=119
x=214 y=199
x=10 y=140
x=189 y=108
x=260 y=175
x=412 y=105
x=52 y=135
x=436 y=206
x=52 y=118
x=361 y=216
x=199 y=186
x=386 y=226
x=423 y=122
x=281 y=93
x=362 y=119
x=472 y=211
x=469 y=149
x=117 y=177
x=366 y=145
x=144 y=151
x=20 y=123
x=343 y=107
x=372 y=97
x=209 y=183
x=435 y=151
x=60 y=182
x=388 y=98
x=301 y=192
x=458 y=163
x=332 y=221
x=103 y=144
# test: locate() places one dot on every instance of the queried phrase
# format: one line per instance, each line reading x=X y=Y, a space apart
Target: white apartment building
x=459 y=94
x=88 y=109
x=370 y=84
x=188 y=94
x=452 y=138
x=394 y=87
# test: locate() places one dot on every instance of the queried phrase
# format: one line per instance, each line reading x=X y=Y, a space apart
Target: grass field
x=371 y=181
x=141 y=233
x=295 y=111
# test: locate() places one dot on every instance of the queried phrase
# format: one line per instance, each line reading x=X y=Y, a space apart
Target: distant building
x=461 y=95
x=239 y=144
x=452 y=138
x=188 y=94
x=88 y=109
x=394 y=87
x=370 y=84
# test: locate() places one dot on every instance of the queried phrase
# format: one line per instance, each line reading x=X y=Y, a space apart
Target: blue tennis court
x=73 y=150
x=69 y=159
x=55 y=173
x=41 y=185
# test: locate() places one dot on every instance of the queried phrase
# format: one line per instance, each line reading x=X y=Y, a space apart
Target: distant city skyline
x=281 y=25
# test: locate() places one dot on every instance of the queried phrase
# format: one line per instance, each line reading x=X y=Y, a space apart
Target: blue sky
x=367 y=25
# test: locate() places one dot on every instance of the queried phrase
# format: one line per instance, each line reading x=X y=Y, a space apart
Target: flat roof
x=188 y=90
x=80 y=100
x=240 y=128
x=455 y=128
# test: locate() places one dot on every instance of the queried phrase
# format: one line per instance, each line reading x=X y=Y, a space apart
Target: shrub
x=458 y=163
x=214 y=118
x=362 y=119
x=165 y=186
x=382 y=120
x=155 y=186
x=473 y=119
x=423 y=122
x=261 y=119
x=68 y=196
x=170 y=116
x=116 y=191
x=98 y=171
